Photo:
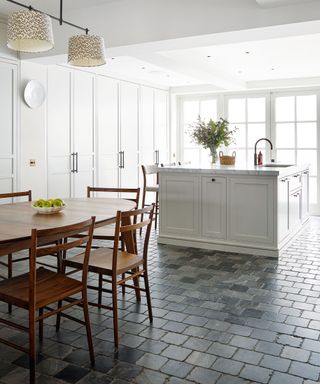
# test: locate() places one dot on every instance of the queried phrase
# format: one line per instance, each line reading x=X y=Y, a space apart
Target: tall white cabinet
x=8 y=110
x=70 y=132
x=100 y=130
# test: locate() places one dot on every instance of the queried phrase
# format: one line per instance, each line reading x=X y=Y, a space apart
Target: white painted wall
x=32 y=134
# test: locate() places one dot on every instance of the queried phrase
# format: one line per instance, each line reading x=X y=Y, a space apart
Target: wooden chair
x=10 y=260
x=117 y=263
x=147 y=171
x=38 y=289
x=107 y=232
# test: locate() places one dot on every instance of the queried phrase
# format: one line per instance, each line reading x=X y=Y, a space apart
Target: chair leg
x=9 y=276
x=100 y=289
x=143 y=204
x=136 y=284
x=88 y=327
x=146 y=284
x=123 y=288
x=41 y=325
x=115 y=313
x=32 y=346
x=58 y=320
x=156 y=211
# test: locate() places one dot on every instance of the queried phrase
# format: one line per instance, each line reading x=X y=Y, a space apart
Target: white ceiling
x=279 y=3
x=282 y=58
x=51 y=6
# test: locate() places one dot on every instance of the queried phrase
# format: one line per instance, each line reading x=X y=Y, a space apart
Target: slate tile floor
x=219 y=318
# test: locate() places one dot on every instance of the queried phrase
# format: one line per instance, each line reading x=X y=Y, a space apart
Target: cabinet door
x=106 y=101
x=83 y=132
x=252 y=210
x=59 y=132
x=283 y=208
x=146 y=136
x=180 y=204
x=305 y=196
x=129 y=135
x=214 y=207
x=8 y=108
x=161 y=117
x=294 y=210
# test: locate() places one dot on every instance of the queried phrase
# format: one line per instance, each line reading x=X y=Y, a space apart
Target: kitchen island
x=256 y=210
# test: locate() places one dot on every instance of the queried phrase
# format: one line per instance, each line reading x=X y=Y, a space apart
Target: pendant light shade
x=30 y=31
x=86 y=51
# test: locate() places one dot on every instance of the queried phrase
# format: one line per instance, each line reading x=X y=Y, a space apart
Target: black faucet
x=255 y=149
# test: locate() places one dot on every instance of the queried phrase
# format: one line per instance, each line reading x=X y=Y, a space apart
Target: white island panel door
x=214 y=207
x=180 y=204
x=83 y=132
x=252 y=210
x=8 y=83
x=107 y=132
x=161 y=118
x=59 y=132
x=129 y=135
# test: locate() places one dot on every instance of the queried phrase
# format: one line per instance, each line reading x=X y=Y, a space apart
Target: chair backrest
x=150 y=169
x=133 y=191
x=127 y=223
x=57 y=240
x=12 y=195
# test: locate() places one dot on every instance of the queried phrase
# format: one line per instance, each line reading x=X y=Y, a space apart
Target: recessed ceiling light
x=247 y=52
x=240 y=72
x=208 y=56
x=143 y=67
x=272 y=69
x=113 y=58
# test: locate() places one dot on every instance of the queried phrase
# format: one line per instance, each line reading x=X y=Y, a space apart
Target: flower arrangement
x=212 y=135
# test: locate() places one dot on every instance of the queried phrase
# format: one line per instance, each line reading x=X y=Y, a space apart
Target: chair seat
x=50 y=288
x=101 y=261
x=152 y=188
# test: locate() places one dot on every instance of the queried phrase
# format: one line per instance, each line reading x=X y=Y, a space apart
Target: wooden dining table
x=18 y=219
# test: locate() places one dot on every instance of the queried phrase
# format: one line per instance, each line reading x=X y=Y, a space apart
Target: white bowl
x=48 y=210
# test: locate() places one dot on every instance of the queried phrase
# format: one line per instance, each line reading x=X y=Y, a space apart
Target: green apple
x=39 y=203
x=58 y=203
x=47 y=204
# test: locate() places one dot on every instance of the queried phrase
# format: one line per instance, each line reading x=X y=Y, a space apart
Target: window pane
x=191 y=155
x=285 y=156
x=255 y=132
x=208 y=110
x=313 y=190
x=285 y=136
x=308 y=157
x=240 y=156
x=190 y=111
x=187 y=138
x=307 y=135
x=205 y=157
x=285 y=108
x=307 y=108
x=237 y=110
x=257 y=109
x=239 y=136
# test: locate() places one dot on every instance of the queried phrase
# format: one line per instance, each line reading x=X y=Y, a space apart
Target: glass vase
x=214 y=155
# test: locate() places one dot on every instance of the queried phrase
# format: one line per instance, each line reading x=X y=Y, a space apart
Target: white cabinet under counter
x=256 y=210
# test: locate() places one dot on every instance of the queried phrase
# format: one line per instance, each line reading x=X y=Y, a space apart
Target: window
x=206 y=108
x=295 y=131
x=249 y=115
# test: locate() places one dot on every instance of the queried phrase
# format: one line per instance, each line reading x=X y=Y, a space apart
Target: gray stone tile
x=204 y=376
x=257 y=374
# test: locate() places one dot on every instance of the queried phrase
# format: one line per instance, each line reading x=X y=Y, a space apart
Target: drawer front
x=295 y=182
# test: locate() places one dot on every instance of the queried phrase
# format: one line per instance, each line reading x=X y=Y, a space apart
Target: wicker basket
x=227 y=160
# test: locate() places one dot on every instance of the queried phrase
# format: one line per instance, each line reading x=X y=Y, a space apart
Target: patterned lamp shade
x=86 y=51
x=30 y=31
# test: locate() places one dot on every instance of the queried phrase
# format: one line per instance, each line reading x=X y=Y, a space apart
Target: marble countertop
x=238 y=169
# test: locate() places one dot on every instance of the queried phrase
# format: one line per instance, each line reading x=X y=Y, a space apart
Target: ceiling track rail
x=59 y=19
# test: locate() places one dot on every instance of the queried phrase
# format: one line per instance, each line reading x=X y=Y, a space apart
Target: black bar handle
x=122 y=159
x=77 y=162
x=72 y=162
